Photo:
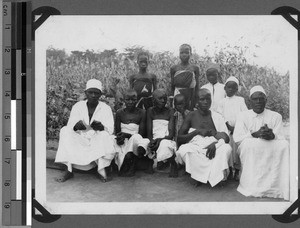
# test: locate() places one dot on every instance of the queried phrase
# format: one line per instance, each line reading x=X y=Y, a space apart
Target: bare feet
x=141 y=151
x=150 y=170
x=162 y=165
x=198 y=184
x=174 y=170
x=66 y=176
x=236 y=175
x=230 y=175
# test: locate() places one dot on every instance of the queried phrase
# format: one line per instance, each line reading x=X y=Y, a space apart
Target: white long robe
x=264 y=163
x=131 y=144
x=82 y=149
x=229 y=108
x=166 y=147
x=193 y=155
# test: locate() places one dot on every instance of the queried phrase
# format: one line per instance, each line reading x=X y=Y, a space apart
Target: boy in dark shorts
x=130 y=127
x=185 y=77
x=143 y=83
x=160 y=130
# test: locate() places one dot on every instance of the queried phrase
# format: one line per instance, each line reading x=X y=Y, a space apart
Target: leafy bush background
x=67 y=75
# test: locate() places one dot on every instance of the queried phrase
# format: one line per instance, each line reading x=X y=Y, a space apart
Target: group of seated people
x=210 y=132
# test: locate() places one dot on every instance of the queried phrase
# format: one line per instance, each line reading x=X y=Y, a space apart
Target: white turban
x=257 y=88
x=93 y=83
x=232 y=79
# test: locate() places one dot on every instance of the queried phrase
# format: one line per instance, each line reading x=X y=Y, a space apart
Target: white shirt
x=249 y=122
x=102 y=113
x=217 y=94
x=230 y=107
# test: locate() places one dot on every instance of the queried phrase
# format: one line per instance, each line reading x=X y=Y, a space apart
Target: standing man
x=185 y=77
x=86 y=141
x=263 y=151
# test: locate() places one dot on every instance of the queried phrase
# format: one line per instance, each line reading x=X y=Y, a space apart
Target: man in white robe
x=205 y=150
x=86 y=141
x=263 y=151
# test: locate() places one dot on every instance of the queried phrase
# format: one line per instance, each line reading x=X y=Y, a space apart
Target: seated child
x=160 y=130
x=229 y=107
x=130 y=126
x=143 y=83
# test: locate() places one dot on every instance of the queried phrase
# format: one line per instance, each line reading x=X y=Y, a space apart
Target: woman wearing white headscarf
x=86 y=141
x=263 y=151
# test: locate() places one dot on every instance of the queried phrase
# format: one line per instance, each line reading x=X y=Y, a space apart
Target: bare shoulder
x=153 y=76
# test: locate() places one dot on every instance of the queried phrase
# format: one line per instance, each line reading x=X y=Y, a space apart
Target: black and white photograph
x=166 y=114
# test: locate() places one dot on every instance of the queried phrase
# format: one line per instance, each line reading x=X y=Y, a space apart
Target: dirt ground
x=85 y=187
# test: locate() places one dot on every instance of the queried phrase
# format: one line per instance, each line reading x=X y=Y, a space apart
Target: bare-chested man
x=144 y=83
x=205 y=151
x=160 y=128
x=130 y=127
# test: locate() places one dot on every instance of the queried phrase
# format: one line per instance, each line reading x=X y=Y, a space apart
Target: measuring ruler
x=16 y=43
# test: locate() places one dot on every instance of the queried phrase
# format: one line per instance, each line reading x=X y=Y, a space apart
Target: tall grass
x=67 y=75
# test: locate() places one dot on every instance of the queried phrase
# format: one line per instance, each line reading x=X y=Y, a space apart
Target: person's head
x=143 y=60
x=180 y=103
x=258 y=99
x=130 y=98
x=159 y=98
x=231 y=86
x=204 y=99
x=212 y=73
x=185 y=52
x=93 y=91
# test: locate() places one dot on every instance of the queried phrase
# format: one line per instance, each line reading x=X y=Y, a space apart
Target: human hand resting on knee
x=121 y=136
x=79 y=126
x=211 y=150
x=97 y=126
x=154 y=144
x=264 y=133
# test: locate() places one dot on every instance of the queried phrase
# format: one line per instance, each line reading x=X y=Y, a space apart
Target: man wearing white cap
x=263 y=151
x=86 y=141
x=229 y=107
x=216 y=89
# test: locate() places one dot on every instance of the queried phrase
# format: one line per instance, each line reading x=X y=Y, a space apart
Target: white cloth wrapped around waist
x=160 y=128
x=131 y=128
x=203 y=142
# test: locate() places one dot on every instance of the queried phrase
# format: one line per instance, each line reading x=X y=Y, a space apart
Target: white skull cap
x=232 y=79
x=93 y=83
x=257 y=88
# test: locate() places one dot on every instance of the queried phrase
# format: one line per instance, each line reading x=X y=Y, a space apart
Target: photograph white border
x=144 y=207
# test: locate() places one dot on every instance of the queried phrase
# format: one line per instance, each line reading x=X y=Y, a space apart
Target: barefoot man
x=86 y=141
x=263 y=150
x=161 y=129
x=205 y=150
x=130 y=127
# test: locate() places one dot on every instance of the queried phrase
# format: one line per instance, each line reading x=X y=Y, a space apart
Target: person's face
x=258 y=102
x=230 y=88
x=160 y=100
x=204 y=101
x=184 y=54
x=143 y=62
x=180 y=104
x=130 y=100
x=93 y=95
x=212 y=75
